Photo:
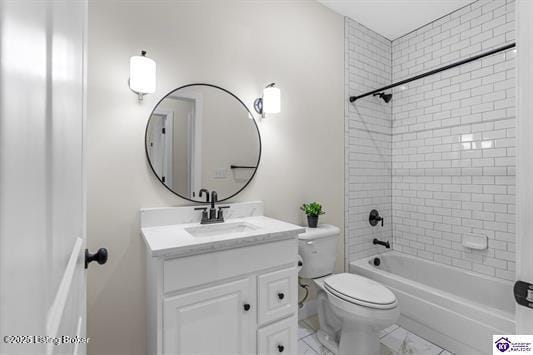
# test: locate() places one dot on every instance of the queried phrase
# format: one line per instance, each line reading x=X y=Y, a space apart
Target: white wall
x=454 y=140
x=368 y=141
x=224 y=119
x=451 y=136
x=241 y=46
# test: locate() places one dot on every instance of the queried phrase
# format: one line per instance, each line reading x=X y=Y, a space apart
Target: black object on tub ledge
x=376 y=241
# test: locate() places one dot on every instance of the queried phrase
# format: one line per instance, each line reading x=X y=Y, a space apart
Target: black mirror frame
x=252 y=118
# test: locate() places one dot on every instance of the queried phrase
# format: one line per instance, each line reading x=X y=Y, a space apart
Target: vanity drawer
x=195 y=270
x=278 y=338
x=278 y=294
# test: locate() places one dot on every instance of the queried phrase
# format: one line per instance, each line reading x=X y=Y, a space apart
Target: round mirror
x=201 y=136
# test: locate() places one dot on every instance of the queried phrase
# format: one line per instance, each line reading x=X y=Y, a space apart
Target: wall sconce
x=142 y=75
x=270 y=102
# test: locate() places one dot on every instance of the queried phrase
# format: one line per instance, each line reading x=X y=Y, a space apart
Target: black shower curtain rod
x=435 y=71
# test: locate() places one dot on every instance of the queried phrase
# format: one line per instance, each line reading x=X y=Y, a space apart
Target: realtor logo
x=502 y=344
x=511 y=344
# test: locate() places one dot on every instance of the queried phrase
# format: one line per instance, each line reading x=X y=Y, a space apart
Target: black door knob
x=246 y=307
x=100 y=257
x=281 y=295
x=281 y=348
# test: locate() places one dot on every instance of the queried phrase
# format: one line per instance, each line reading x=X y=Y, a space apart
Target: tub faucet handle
x=374 y=218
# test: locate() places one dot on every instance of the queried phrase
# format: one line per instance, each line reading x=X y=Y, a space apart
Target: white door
x=159 y=145
x=42 y=183
x=524 y=231
x=214 y=320
x=156 y=144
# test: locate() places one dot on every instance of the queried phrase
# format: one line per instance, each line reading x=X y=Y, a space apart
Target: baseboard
x=308 y=310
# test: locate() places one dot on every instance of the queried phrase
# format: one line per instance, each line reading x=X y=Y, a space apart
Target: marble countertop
x=174 y=240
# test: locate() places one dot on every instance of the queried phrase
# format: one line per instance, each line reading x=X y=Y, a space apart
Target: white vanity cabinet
x=226 y=288
x=236 y=301
x=210 y=320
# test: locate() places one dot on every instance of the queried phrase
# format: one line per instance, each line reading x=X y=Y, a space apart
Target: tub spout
x=379 y=242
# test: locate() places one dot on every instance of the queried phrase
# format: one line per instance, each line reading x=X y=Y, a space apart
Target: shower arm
x=435 y=71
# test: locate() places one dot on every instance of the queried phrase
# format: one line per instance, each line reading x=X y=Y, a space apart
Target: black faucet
x=213 y=216
x=212 y=210
x=379 y=242
x=202 y=191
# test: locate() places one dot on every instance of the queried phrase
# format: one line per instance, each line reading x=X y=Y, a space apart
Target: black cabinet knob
x=281 y=348
x=100 y=257
x=246 y=307
x=281 y=295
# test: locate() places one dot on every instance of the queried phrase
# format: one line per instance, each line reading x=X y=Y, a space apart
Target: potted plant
x=312 y=210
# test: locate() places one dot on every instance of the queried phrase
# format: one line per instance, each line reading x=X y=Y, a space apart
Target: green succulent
x=312 y=209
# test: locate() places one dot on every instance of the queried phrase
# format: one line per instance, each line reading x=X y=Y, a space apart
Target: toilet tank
x=318 y=249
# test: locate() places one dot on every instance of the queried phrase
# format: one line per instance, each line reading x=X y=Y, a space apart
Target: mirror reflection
x=201 y=136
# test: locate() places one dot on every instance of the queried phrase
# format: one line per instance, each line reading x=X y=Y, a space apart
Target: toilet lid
x=360 y=290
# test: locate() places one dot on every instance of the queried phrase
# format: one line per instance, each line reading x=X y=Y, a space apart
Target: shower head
x=385 y=97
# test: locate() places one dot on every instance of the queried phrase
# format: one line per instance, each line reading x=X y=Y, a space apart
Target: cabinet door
x=213 y=320
x=278 y=295
x=278 y=338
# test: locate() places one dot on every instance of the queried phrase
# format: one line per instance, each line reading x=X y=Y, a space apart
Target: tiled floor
x=395 y=340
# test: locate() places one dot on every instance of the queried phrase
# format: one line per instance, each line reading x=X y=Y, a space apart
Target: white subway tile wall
x=368 y=137
x=440 y=157
x=453 y=140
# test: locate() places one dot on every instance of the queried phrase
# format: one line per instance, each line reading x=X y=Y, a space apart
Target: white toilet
x=351 y=308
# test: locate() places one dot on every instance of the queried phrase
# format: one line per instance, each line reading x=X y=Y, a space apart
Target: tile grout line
x=309 y=325
x=424 y=130
x=308 y=346
x=398 y=327
x=389 y=332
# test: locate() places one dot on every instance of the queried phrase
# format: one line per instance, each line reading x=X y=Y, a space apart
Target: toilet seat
x=361 y=291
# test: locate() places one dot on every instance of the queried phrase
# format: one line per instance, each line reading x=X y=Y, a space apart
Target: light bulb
x=142 y=74
x=271 y=100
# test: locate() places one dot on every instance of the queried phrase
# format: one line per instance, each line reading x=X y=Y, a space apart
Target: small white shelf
x=475 y=241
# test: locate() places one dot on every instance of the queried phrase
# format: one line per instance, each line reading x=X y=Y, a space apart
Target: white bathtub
x=453 y=308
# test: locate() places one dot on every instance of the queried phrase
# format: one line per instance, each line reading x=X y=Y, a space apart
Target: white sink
x=221 y=229
x=172 y=231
